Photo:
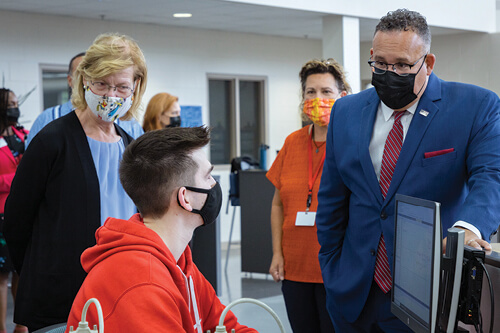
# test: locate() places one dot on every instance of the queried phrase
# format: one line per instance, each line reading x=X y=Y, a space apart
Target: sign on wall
x=191 y=116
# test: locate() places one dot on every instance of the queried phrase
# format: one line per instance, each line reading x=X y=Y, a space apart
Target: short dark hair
x=406 y=20
x=70 y=67
x=159 y=162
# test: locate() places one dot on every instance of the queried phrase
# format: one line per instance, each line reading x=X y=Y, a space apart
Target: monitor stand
x=451 y=278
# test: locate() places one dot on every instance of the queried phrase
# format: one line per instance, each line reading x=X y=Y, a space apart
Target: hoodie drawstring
x=192 y=299
x=197 y=326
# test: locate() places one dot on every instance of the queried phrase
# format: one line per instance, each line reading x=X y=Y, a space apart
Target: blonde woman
x=71 y=171
x=163 y=111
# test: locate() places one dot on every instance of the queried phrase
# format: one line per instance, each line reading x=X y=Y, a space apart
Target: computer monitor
x=417 y=263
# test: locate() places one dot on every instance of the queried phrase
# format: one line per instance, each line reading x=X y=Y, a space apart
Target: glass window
x=250 y=117
x=221 y=108
x=236 y=107
x=55 y=87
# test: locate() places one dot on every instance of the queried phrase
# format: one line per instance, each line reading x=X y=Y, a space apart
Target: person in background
x=141 y=269
x=163 y=111
x=132 y=127
x=412 y=134
x=296 y=173
x=71 y=171
x=12 y=138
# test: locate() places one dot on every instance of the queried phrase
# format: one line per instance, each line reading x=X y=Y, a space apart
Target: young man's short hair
x=158 y=163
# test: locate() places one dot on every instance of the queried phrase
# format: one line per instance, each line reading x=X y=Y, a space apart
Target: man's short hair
x=159 y=162
x=70 y=67
x=406 y=20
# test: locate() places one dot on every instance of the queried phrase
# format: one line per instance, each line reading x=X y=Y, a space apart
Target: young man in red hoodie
x=141 y=270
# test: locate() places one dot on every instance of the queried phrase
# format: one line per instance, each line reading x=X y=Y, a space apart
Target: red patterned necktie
x=392 y=149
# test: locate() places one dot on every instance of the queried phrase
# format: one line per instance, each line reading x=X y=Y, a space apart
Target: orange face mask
x=318 y=110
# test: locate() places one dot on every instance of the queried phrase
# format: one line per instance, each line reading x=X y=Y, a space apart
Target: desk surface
x=495 y=247
x=493 y=258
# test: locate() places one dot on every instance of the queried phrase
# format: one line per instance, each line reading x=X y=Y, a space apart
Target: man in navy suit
x=413 y=134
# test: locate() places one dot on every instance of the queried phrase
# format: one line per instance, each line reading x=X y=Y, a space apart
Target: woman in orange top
x=296 y=174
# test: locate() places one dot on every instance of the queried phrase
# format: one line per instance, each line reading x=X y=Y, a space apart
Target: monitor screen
x=417 y=262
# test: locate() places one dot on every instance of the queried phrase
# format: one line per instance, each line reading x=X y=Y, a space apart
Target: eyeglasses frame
x=374 y=69
x=112 y=87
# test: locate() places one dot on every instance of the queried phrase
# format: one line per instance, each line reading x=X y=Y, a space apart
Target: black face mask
x=394 y=90
x=211 y=208
x=175 y=122
x=13 y=115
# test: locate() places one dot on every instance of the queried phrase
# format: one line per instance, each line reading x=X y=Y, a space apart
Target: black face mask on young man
x=394 y=90
x=211 y=208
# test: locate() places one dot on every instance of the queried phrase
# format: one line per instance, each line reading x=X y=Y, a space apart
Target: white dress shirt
x=383 y=124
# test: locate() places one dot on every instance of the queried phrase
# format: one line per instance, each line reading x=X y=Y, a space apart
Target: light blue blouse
x=114 y=200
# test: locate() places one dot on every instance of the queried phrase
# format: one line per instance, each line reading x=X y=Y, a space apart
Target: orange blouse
x=289 y=174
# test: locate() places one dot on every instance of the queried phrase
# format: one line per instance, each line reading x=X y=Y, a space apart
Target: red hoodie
x=142 y=289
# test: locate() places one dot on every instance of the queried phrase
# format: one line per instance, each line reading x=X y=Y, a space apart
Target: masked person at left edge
x=163 y=110
x=71 y=171
x=12 y=137
x=296 y=174
x=141 y=269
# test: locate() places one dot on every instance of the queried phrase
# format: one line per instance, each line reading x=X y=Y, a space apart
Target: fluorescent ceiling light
x=183 y=15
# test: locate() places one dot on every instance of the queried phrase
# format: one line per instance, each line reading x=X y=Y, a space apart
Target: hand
x=276 y=270
x=477 y=243
x=471 y=239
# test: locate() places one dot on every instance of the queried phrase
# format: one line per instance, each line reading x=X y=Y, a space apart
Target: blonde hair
x=321 y=66
x=157 y=105
x=111 y=53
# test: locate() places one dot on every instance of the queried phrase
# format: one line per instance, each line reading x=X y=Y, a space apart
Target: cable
x=492 y=318
x=83 y=326
x=478 y=322
x=222 y=329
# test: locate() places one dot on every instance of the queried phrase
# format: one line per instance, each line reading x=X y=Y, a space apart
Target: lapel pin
x=424 y=113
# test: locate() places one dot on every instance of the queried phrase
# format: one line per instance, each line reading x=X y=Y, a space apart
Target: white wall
x=178 y=62
x=470 y=58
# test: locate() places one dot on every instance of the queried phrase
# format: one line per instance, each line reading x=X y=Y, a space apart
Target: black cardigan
x=51 y=216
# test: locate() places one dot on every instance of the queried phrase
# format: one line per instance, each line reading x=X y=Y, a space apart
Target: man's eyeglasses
x=401 y=69
x=103 y=88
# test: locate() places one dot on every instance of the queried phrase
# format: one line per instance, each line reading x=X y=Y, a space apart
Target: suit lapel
x=425 y=112
x=368 y=115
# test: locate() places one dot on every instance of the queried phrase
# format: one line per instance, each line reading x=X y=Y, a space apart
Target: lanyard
x=312 y=179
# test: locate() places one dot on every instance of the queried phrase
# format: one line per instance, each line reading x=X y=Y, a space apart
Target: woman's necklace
x=318 y=146
x=314 y=142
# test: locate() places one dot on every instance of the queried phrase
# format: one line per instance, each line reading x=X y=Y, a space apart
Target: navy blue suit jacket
x=352 y=214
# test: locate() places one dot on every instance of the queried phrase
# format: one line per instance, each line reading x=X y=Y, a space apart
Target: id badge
x=305 y=219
